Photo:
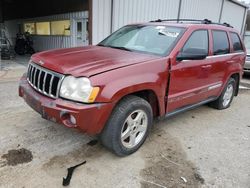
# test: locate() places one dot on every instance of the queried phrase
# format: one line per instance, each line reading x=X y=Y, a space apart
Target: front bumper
x=89 y=118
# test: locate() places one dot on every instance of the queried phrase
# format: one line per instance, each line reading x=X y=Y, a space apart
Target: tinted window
x=220 y=42
x=197 y=42
x=236 y=42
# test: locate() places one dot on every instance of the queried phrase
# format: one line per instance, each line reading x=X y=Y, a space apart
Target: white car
x=247 y=44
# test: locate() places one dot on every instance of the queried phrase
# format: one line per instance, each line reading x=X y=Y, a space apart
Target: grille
x=43 y=80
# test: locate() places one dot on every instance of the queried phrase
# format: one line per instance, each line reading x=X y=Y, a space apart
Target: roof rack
x=205 y=21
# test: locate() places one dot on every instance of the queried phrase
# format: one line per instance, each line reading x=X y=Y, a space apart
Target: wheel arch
x=236 y=77
x=150 y=96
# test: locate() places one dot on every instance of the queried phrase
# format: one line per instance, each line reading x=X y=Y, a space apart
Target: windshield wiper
x=116 y=47
x=120 y=48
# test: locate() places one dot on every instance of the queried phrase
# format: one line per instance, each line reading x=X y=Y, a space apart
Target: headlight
x=78 y=89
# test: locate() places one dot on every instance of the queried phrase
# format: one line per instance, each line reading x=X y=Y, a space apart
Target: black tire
x=219 y=103
x=112 y=133
x=19 y=50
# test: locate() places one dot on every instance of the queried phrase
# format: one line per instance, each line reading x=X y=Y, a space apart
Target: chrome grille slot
x=43 y=80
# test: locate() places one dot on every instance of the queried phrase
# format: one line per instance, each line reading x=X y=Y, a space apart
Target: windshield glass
x=247 y=43
x=158 y=40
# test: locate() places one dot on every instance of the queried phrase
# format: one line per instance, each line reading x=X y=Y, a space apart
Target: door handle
x=206 y=66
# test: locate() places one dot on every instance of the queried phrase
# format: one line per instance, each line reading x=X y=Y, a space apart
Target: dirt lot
x=204 y=147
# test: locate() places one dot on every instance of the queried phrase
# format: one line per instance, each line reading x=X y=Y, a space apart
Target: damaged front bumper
x=89 y=118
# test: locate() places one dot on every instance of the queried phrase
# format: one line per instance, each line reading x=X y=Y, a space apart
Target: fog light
x=72 y=119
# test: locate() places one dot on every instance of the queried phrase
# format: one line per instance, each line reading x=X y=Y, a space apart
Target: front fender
x=124 y=86
x=121 y=82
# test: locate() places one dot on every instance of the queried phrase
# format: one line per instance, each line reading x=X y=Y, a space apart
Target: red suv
x=140 y=72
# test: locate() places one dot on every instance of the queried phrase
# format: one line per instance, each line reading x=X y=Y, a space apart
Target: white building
x=61 y=24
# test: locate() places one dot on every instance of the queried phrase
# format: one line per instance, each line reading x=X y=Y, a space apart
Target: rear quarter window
x=237 y=46
x=220 y=42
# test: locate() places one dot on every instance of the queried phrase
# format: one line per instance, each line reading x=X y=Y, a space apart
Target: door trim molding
x=193 y=92
x=190 y=107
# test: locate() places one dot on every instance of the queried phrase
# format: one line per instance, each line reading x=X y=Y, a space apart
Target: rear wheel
x=226 y=96
x=128 y=126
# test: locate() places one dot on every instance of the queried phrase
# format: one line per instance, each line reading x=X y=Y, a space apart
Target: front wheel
x=226 y=96
x=128 y=126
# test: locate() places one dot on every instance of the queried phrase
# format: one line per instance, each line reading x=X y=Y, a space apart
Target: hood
x=88 y=61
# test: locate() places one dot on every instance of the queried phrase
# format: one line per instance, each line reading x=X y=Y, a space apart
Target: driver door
x=188 y=80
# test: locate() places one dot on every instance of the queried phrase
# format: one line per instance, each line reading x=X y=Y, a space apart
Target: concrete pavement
x=205 y=147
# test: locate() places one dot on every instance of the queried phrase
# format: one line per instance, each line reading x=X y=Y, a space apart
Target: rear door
x=225 y=60
x=188 y=80
x=219 y=59
x=238 y=49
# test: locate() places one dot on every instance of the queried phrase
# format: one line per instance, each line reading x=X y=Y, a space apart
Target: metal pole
x=112 y=15
x=244 y=23
x=179 y=10
x=90 y=22
x=221 y=10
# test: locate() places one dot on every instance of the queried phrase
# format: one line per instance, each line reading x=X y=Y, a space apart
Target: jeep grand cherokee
x=140 y=72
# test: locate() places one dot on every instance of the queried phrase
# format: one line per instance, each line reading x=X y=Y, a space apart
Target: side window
x=197 y=43
x=237 y=46
x=220 y=43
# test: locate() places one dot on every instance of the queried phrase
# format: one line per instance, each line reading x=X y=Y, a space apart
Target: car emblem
x=41 y=62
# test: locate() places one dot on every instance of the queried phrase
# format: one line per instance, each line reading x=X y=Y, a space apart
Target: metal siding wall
x=101 y=20
x=42 y=43
x=201 y=9
x=130 y=11
x=233 y=14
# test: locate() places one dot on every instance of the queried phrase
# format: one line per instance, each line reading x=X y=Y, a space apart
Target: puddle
x=166 y=163
x=20 y=156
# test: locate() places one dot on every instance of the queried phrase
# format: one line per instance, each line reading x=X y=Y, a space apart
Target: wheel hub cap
x=228 y=95
x=134 y=128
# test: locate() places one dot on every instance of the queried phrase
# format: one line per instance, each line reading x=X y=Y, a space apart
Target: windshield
x=247 y=43
x=158 y=40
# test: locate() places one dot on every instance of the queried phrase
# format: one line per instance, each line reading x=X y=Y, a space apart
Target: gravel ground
x=200 y=148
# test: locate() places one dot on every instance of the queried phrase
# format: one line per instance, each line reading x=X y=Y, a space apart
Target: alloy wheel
x=134 y=129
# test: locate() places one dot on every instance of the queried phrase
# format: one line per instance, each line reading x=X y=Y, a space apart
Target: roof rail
x=205 y=21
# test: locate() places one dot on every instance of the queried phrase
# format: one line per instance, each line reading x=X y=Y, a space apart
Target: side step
x=189 y=107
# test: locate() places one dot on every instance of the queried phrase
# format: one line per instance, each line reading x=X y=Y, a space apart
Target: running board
x=189 y=107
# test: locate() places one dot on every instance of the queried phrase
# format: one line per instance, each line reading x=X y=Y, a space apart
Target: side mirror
x=194 y=54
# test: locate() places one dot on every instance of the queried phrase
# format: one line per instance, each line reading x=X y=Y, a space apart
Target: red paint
x=119 y=73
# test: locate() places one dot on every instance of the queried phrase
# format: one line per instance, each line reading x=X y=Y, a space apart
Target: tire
x=19 y=50
x=225 y=99
x=132 y=118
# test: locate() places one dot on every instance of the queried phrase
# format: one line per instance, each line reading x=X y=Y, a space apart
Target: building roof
x=240 y=3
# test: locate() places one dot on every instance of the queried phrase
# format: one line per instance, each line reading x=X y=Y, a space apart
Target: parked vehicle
x=140 y=72
x=24 y=44
x=6 y=49
x=247 y=44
